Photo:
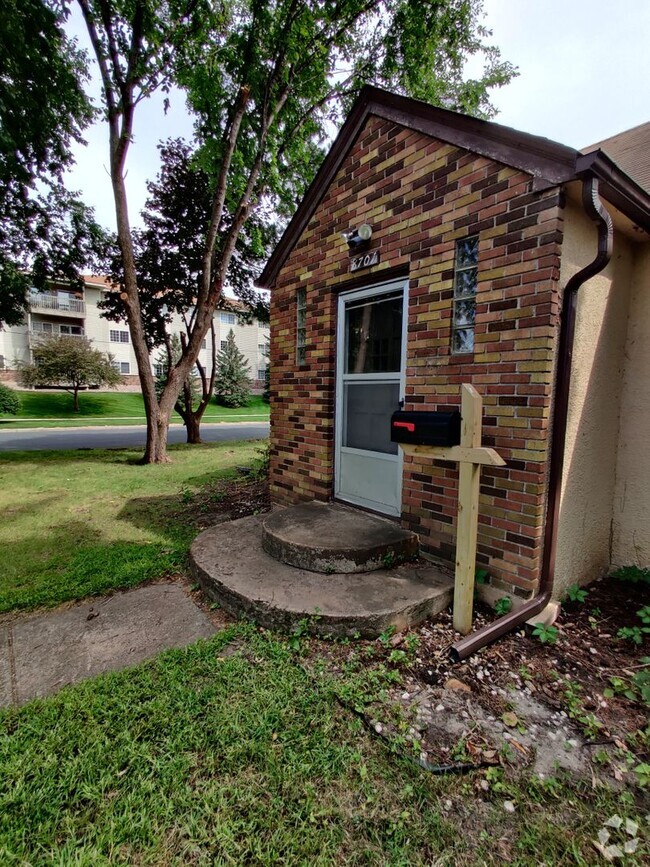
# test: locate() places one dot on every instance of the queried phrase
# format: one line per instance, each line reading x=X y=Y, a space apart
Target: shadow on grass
x=88 y=569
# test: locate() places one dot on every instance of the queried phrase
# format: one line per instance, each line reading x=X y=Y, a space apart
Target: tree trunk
x=75 y=400
x=193 y=428
x=156 y=448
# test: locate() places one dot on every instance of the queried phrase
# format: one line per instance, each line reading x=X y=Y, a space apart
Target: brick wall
x=421 y=195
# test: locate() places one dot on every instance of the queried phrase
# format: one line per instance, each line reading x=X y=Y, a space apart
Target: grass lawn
x=84 y=522
x=54 y=409
x=205 y=758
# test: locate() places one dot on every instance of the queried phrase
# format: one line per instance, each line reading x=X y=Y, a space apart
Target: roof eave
x=616 y=186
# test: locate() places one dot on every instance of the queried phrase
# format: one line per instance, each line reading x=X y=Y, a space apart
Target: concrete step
x=329 y=538
x=231 y=567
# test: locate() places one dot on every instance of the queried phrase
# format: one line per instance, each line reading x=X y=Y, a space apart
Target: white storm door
x=370 y=385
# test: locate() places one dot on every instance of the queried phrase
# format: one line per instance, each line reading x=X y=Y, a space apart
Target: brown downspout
x=597 y=212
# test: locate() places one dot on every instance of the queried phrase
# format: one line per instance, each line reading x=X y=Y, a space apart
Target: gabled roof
x=630 y=150
x=549 y=162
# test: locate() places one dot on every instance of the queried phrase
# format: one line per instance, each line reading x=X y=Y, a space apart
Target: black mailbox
x=426 y=428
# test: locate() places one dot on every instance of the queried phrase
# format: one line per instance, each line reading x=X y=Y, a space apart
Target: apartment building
x=63 y=311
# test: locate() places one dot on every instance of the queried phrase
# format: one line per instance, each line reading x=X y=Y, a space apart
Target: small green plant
x=632 y=574
x=503 y=605
x=300 y=630
x=397 y=656
x=642 y=773
x=388 y=560
x=637 y=633
x=412 y=643
x=575 y=593
x=481 y=576
x=387 y=634
x=546 y=634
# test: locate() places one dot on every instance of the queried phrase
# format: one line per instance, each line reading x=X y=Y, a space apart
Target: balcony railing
x=42 y=301
x=37 y=333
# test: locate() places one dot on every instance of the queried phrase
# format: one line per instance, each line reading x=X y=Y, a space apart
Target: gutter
x=596 y=210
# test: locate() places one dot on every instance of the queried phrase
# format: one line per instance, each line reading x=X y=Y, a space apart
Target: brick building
x=476 y=231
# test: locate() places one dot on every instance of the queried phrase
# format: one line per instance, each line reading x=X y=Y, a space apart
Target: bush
x=9 y=401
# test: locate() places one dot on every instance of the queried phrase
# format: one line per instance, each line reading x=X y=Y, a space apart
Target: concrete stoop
x=329 y=537
x=233 y=568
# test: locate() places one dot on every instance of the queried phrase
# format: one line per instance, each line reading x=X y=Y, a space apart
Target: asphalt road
x=120 y=437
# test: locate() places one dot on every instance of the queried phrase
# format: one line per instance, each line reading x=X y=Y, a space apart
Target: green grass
x=54 y=409
x=208 y=759
x=76 y=523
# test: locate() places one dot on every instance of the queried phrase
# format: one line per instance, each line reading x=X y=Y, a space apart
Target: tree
x=265 y=80
x=70 y=363
x=9 y=401
x=45 y=232
x=168 y=257
x=233 y=384
x=191 y=393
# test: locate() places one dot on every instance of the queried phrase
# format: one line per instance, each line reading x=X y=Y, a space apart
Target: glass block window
x=119 y=336
x=301 y=326
x=228 y=319
x=465 y=285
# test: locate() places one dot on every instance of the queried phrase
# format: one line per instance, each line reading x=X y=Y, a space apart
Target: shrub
x=9 y=401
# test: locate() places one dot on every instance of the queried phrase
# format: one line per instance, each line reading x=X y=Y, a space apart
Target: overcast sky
x=584 y=75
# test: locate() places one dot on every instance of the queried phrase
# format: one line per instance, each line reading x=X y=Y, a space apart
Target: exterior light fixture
x=359 y=238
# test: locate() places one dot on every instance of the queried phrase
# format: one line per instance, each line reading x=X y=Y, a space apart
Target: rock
x=510 y=719
x=509 y=806
x=440 y=708
x=457 y=685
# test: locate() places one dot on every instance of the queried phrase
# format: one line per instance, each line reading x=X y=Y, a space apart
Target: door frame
x=355 y=295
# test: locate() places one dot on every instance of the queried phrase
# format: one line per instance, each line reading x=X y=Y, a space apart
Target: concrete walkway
x=43 y=652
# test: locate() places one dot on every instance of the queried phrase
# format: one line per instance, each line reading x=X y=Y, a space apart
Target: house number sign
x=366 y=260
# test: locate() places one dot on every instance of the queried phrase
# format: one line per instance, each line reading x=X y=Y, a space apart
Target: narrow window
x=465 y=284
x=125 y=367
x=301 y=326
x=204 y=343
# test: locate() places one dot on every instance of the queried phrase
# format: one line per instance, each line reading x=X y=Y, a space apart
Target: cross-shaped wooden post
x=470 y=455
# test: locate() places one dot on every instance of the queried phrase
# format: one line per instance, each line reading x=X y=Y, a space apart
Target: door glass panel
x=374 y=336
x=366 y=421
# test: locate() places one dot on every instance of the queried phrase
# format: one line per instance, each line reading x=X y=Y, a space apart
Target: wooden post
x=467 y=524
x=470 y=455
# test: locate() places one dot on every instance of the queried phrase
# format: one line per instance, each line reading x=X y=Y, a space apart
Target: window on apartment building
x=228 y=319
x=158 y=370
x=301 y=326
x=262 y=348
x=204 y=343
x=224 y=343
x=118 y=336
x=125 y=367
x=261 y=373
x=71 y=329
x=465 y=285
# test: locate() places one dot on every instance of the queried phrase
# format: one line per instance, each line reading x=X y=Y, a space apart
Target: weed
x=387 y=634
x=642 y=772
x=481 y=576
x=546 y=634
x=575 y=593
x=632 y=574
x=412 y=643
x=397 y=656
x=633 y=633
x=388 y=560
x=503 y=606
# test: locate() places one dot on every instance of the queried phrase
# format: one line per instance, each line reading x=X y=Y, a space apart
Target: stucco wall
x=583 y=548
x=631 y=518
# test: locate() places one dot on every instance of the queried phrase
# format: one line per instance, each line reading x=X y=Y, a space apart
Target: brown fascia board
x=616 y=186
x=546 y=160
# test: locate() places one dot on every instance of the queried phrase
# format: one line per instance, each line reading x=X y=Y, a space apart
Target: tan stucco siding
x=584 y=532
x=631 y=519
